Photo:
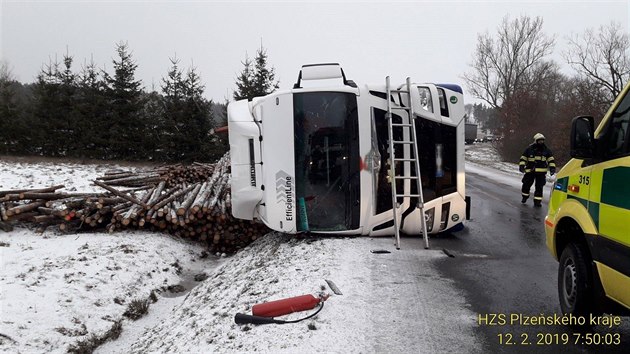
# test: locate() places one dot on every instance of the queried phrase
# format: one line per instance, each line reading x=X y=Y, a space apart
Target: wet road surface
x=503 y=266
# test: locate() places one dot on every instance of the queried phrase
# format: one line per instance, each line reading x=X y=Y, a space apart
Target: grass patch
x=5 y=226
x=72 y=332
x=4 y=244
x=136 y=309
x=6 y=339
x=88 y=345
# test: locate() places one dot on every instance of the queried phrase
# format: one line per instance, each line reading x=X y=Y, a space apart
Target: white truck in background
x=316 y=159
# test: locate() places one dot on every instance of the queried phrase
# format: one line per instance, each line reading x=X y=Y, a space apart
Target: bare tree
x=507 y=63
x=6 y=73
x=602 y=57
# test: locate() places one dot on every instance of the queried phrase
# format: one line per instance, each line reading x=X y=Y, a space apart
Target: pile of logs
x=187 y=201
x=179 y=174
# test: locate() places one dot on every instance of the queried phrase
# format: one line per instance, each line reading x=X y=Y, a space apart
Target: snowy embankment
x=486 y=155
x=482 y=159
x=390 y=302
x=84 y=291
x=58 y=290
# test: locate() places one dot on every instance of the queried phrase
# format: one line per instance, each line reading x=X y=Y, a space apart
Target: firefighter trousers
x=528 y=180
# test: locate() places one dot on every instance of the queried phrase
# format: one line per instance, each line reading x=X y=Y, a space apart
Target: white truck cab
x=316 y=159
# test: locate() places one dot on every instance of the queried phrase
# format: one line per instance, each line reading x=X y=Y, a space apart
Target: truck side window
x=615 y=139
x=443 y=104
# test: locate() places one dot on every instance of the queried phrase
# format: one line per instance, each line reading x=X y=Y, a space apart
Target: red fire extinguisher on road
x=264 y=313
x=286 y=306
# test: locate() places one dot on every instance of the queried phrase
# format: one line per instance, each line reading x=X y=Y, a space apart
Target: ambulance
x=588 y=223
x=316 y=158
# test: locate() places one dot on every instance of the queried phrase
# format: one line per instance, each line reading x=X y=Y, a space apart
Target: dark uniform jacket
x=537 y=158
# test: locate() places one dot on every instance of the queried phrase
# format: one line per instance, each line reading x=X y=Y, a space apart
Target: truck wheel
x=575 y=280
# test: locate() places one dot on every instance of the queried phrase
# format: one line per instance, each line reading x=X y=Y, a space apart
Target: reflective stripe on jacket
x=538 y=158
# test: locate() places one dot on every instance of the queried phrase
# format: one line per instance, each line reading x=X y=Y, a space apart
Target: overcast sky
x=431 y=41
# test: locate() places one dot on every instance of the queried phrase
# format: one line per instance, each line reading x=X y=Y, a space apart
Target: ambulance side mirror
x=582 y=137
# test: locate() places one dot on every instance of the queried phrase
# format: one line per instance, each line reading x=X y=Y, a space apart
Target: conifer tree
x=171 y=126
x=9 y=115
x=245 y=81
x=199 y=145
x=91 y=105
x=173 y=84
x=47 y=133
x=264 y=77
x=220 y=120
x=70 y=120
x=256 y=79
x=124 y=93
x=153 y=112
x=187 y=116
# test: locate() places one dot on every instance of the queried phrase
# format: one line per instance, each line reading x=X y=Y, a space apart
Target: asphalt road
x=502 y=265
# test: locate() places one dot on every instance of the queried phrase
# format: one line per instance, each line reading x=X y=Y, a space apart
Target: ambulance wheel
x=575 y=280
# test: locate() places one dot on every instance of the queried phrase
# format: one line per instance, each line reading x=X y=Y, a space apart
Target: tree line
x=525 y=92
x=92 y=113
x=96 y=114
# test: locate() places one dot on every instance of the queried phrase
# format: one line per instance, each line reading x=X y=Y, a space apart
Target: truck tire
x=575 y=280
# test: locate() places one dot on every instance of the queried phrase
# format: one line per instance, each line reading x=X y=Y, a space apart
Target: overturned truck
x=344 y=158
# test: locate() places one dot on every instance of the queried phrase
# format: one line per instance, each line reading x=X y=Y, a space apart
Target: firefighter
x=535 y=162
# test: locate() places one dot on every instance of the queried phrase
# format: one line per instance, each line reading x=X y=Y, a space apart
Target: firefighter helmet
x=539 y=136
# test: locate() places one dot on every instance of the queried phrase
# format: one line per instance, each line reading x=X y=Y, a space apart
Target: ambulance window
x=615 y=140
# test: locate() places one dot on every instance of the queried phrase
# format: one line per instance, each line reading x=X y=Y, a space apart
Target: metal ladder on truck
x=415 y=160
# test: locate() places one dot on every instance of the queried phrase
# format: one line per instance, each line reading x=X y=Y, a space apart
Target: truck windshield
x=327 y=161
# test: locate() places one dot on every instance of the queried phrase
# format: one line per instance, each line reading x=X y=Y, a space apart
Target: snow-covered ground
x=280 y=266
x=59 y=290
x=20 y=173
x=485 y=154
x=483 y=159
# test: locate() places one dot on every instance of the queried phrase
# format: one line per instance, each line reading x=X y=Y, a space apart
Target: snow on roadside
x=485 y=154
x=56 y=290
x=280 y=266
x=483 y=159
x=59 y=289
